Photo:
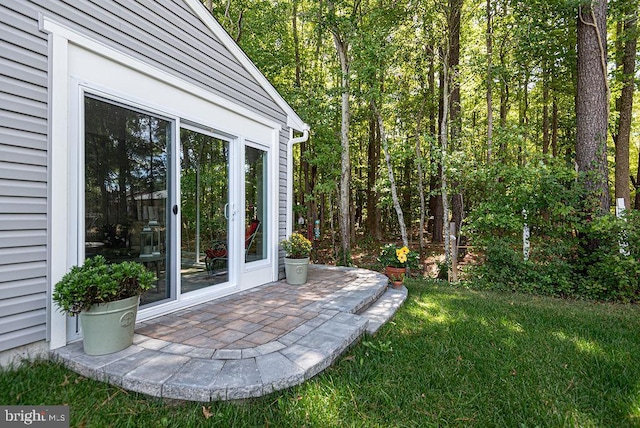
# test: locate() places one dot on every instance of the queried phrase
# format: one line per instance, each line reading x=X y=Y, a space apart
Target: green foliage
x=395 y=50
x=296 y=246
x=98 y=282
x=572 y=254
x=611 y=269
x=504 y=268
x=395 y=256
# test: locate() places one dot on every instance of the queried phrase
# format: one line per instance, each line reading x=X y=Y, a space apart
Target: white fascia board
x=293 y=120
x=53 y=27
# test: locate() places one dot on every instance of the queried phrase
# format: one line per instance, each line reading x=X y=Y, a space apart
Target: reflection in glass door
x=255 y=189
x=125 y=188
x=204 y=189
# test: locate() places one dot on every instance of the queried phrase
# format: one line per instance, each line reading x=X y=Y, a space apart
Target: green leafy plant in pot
x=106 y=296
x=297 y=249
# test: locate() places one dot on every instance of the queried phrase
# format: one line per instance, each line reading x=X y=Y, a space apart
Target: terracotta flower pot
x=396 y=275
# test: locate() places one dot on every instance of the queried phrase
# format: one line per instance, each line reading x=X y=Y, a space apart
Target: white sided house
x=137 y=130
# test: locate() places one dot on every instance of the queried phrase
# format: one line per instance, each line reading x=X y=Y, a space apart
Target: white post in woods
x=620 y=209
x=526 y=245
x=453 y=277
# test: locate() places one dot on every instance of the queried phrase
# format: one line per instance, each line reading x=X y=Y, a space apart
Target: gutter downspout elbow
x=301 y=139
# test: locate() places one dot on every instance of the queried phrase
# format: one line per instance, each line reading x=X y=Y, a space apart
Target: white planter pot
x=108 y=327
x=296 y=270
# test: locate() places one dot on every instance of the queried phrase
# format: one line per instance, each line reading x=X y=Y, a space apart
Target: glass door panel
x=255 y=186
x=204 y=189
x=125 y=193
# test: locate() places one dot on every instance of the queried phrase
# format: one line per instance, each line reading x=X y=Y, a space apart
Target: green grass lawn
x=450 y=357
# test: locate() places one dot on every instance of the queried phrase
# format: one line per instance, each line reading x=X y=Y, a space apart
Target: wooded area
x=401 y=97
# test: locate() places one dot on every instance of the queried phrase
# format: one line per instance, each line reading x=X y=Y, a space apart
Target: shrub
x=98 y=282
x=296 y=247
x=571 y=254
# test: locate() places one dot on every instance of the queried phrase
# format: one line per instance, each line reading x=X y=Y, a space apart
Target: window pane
x=256 y=204
x=126 y=188
x=204 y=189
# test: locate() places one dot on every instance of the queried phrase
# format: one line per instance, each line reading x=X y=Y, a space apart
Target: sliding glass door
x=183 y=216
x=126 y=188
x=204 y=190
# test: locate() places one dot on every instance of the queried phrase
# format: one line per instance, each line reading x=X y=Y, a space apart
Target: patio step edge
x=156 y=368
x=381 y=311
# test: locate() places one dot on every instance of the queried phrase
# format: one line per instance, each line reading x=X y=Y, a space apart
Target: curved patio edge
x=171 y=370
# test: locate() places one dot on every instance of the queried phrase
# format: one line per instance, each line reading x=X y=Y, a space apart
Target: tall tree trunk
x=443 y=174
x=626 y=43
x=524 y=118
x=592 y=104
x=504 y=97
x=407 y=189
x=296 y=42
x=554 y=127
x=342 y=49
x=373 y=156
x=433 y=105
x=489 y=83
x=455 y=116
x=435 y=203
x=419 y=132
x=392 y=181
x=319 y=35
x=546 y=140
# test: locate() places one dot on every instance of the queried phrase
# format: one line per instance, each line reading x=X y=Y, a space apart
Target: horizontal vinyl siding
x=12 y=222
x=151 y=31
x=19 y=305
x=282 y=196
x=17 y=237
x=282 y=185
x=23 y=178
x=22 y=321
x=24 y=336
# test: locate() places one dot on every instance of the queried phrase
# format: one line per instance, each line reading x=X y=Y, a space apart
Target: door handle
x=175 y=209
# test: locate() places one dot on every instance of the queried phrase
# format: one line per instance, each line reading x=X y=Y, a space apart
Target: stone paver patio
x=248 y=344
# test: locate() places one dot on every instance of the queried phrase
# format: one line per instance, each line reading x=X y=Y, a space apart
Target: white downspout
x=304 y=137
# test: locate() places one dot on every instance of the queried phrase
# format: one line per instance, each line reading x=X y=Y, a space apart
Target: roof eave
x=293 y=120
